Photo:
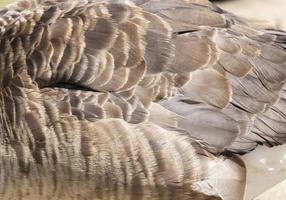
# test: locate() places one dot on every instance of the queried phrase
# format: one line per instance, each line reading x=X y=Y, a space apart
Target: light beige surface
x=272 y=10
x=277 y=192
x=4 y=2
x=266 y=167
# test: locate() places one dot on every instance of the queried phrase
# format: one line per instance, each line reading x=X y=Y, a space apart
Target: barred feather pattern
x=134 y=99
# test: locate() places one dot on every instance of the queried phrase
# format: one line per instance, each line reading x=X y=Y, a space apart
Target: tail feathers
x=231 y=128
x=268 y=128
x=204 y=122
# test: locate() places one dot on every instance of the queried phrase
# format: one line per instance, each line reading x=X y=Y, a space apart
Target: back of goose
x=142 y=99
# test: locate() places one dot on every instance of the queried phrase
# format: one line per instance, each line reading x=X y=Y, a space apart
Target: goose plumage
x=141 y=99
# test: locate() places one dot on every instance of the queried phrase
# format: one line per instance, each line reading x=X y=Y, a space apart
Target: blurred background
x=271 y=10
x=4 y=2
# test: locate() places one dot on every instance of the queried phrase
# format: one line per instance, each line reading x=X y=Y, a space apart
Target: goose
x=137 y=99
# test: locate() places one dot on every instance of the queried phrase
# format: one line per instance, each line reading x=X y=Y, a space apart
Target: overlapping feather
x=116 y=100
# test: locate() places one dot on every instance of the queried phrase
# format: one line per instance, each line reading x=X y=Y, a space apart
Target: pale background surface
x=277 y=192
x=4 y=2
x=272 y=10
x=266 y=167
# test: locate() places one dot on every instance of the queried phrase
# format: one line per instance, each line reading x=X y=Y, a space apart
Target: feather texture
x=134 y=100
